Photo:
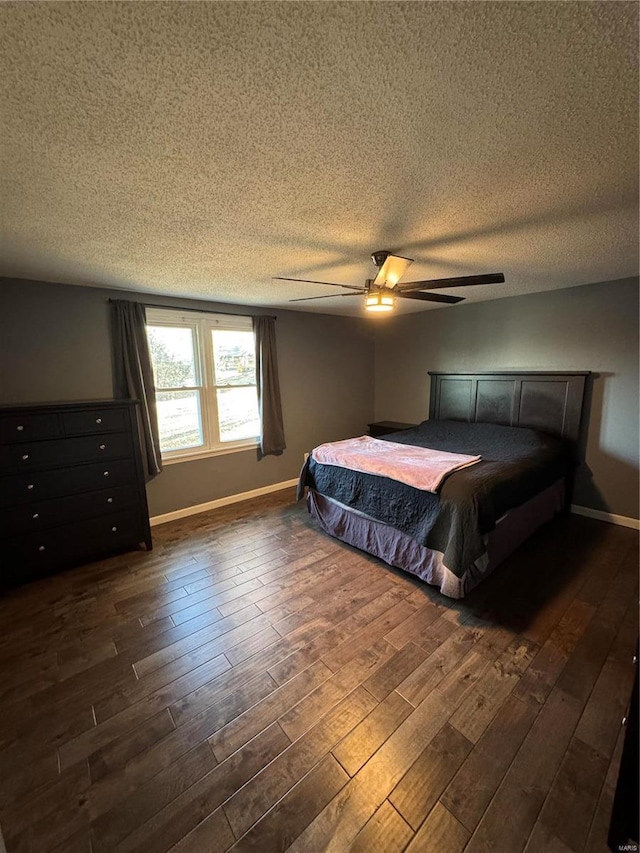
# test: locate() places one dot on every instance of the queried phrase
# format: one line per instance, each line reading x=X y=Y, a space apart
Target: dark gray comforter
x=516 y=464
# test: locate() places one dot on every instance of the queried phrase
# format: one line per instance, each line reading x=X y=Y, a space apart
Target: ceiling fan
x=380 y=292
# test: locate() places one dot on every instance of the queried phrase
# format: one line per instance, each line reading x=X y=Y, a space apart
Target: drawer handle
x=20 y=428
x=105 y=474
x=25 y=456
x=41 y=548
x=36 y=515
x=98 y=420
x=113 y=529
x=109 y=500
x=103 y=447
x=30 y=486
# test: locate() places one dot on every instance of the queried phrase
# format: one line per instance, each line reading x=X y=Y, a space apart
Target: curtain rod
x=200 y=310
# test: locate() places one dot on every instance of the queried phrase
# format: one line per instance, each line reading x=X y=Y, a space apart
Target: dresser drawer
x=94 y=420
x=41 y=485
x=33 y=518
x=66 y=451
x=34 y=554
x=29 y=427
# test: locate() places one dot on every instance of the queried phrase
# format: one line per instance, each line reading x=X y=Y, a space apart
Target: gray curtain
x=133 y=376
x=271 y=425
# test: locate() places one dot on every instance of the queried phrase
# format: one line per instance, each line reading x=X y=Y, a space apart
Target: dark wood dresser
x=71 y=486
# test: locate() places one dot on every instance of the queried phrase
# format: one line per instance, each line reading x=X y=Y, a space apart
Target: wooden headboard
x=551 y=402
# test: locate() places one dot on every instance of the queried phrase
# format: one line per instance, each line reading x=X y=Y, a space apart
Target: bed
x=524 y=426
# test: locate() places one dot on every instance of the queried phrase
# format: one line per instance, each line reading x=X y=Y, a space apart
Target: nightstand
x=386 y=427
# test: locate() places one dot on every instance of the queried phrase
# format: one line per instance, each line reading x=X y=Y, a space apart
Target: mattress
x=517 y=464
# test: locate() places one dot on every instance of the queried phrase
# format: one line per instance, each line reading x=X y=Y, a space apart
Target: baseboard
x=230 y=499
x=622 y=520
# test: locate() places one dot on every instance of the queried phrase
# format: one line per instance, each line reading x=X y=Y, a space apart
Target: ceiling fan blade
x=328 y=296
x=460 y=281
x=431 y=297
x=392 y=270
x=309 y=281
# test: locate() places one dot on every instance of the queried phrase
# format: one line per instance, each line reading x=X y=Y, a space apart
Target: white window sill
x=189 y=456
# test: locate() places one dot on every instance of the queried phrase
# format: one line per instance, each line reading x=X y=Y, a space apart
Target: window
x=205 y=376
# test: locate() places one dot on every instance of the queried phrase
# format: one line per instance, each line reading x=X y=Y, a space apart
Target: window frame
x=202 y=325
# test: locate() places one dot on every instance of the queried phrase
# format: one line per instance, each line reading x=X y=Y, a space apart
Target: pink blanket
x=419 y=467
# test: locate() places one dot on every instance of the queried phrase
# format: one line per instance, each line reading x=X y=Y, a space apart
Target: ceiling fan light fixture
x=379 y=302
x=381 y=292
x=391 y=270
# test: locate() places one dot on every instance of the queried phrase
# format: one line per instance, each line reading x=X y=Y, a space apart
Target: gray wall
x=594 y=327
x=54 y=345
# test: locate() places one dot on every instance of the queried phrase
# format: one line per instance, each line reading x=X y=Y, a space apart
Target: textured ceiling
x=198 y=149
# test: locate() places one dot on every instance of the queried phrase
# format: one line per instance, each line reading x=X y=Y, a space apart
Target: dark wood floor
x=254 y=685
